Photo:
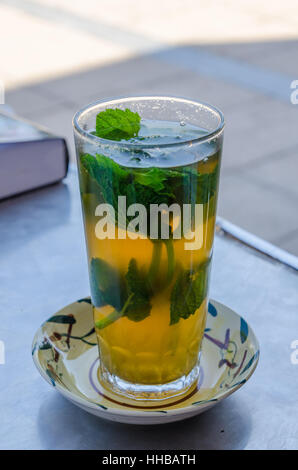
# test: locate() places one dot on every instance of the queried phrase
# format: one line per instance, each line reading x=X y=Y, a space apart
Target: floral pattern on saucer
x=66 y=354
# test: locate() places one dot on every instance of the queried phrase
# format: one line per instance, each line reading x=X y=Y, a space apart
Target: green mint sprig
x=107 y=285
x=129 y=295
x=117 y=124
x=189 y=291
x=105 y=180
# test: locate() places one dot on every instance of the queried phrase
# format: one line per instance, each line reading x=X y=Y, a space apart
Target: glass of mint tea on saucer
x=149 y=173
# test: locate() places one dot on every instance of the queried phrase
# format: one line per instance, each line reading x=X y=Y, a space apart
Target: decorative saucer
x=65 y=353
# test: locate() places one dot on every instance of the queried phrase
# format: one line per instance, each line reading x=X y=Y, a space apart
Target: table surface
x=43 y=268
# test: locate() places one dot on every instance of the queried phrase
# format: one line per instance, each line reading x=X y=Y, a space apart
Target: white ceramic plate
x=65 y=353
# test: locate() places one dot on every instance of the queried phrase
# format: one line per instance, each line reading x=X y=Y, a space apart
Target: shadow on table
x=62 y=425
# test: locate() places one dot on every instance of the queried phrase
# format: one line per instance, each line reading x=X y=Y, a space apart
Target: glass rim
x=126 y=144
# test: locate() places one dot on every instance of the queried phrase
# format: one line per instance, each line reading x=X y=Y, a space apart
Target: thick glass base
x=151 y=392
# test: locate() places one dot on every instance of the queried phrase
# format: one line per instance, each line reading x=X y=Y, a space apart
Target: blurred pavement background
x=238 y=55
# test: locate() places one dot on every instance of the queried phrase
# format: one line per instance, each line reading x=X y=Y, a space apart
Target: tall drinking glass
x=149 y=175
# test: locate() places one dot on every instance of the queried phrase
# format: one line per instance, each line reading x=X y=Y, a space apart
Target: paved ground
x=240 y=56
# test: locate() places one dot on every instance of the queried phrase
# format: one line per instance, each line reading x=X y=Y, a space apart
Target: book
x=30 y=156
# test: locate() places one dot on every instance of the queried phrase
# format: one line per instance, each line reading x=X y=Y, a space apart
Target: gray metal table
x=43 y=268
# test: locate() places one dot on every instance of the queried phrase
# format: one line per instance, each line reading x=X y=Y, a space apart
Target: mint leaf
x=129 y=296
x=88 y=169
x=189 y=291
x=153 y=178
x=139 y=306
x=117 y=124
x=104 y=178
x=107 y=286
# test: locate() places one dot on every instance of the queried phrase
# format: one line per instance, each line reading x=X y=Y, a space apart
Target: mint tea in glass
x=149 y=173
